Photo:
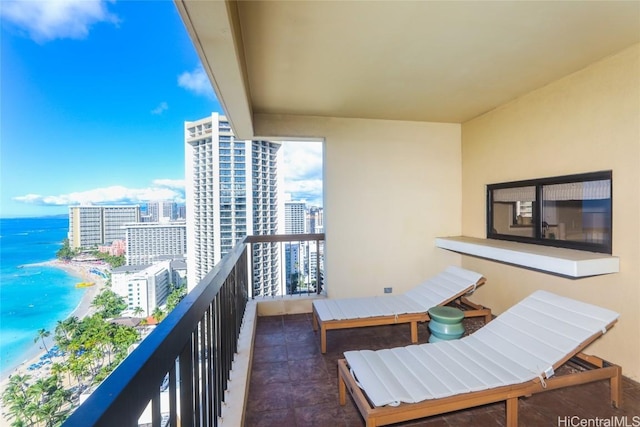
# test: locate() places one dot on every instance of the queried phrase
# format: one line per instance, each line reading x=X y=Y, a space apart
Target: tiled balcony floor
x=294 y=385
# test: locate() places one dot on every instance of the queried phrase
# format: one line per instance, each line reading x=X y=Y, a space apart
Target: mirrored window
x=573 y=211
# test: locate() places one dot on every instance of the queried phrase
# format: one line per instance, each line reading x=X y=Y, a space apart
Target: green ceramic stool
x=445 y=324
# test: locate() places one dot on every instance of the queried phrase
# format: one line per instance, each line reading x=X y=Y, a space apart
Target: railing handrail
x=268 y=238
x=126 y=392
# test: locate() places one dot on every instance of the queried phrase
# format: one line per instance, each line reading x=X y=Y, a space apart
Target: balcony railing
x=178 y=375
x=193 y=346
x=302 y=257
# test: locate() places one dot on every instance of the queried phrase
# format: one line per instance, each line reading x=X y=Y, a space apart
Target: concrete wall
x=588 y=121
x=390 y=188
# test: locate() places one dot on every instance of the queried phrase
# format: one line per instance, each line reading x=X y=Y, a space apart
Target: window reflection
x=577 y=211
x=573 y=211
x=513 y=211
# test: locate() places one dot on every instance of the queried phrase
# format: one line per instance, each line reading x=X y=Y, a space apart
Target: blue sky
x=94 y=96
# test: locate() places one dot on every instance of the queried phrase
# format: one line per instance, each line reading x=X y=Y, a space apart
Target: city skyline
x=93 y=107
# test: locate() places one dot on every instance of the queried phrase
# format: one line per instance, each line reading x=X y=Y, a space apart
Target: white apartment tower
x=233 y=189
x=295 y=252
x=90 y=226
x=143 y=286
x=149 y=242
x=295 y=217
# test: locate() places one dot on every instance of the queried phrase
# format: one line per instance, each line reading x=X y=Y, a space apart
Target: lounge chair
x=410 y=307
x=514 y=355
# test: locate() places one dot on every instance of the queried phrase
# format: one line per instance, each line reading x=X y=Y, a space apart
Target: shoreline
x=33 y=354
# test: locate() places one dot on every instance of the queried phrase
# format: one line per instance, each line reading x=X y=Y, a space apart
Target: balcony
x=293 y=384
x=223 y=357
x=180 y=374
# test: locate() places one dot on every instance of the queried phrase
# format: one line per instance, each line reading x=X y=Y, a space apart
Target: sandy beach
x=82 y=270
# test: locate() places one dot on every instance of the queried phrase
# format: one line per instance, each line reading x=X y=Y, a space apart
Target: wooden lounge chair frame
x=598 y=369
x=469 y=309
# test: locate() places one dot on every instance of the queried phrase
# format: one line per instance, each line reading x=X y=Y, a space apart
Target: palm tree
x=157 y=314
x=58 y=369
x=46 y=399
x=37 y=391
x=42 y=334
x=16 y=401
x=78 y=366
x=67 y=327
x=109 y=304
x=175 y=296
x=138 y=311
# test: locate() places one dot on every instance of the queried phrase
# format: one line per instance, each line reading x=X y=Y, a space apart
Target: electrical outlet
x=388 y=290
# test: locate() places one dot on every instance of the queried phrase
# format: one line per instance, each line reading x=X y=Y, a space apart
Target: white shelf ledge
x=565 y=262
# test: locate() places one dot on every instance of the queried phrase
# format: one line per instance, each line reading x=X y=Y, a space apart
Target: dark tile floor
x=294 y=385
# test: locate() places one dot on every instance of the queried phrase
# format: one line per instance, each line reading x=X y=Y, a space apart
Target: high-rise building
x=90 y=226
x=143 y=286
x=181 y=212
x=148 y=242
x=161 y=211
x=316 y=220
x=295 y=252
x=233 y=189
x=295 y=217
x=316 y=263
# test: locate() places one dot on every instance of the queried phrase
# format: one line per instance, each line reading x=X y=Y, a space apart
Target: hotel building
x=143 y=286
x=295 y=217
x=90 y=226
x=233 y=189
x=316 y=220
x=295 y=252
x=147 y=242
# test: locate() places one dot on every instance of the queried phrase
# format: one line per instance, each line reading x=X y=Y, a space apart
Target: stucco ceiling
x=440 y=61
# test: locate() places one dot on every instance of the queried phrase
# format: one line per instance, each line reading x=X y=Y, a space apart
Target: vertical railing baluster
x=318 y=275
x=282 y=252
x=203 y=370
x=214 y=362
x=197 y=395
x=253 y=281
x=173 y=394
x=224 y=345
x=186 y=385
x=220 y=343
x=211 y=404
x=232 y=316
x=218 y=364
x=156 y=417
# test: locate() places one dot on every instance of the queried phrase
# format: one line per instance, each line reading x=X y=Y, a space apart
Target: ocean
x=31 y=297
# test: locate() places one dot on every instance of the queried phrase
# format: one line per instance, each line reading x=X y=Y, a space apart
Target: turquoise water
x=31 y=297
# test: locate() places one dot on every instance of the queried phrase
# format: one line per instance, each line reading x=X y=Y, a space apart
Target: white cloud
x=196 y=81
x=303 y=171
x=161 y=108
x=161 y=189
x=177 y=184
x=46 y=20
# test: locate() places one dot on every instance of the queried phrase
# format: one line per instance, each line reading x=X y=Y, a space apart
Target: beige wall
x=390 y=188
x=588 y=121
